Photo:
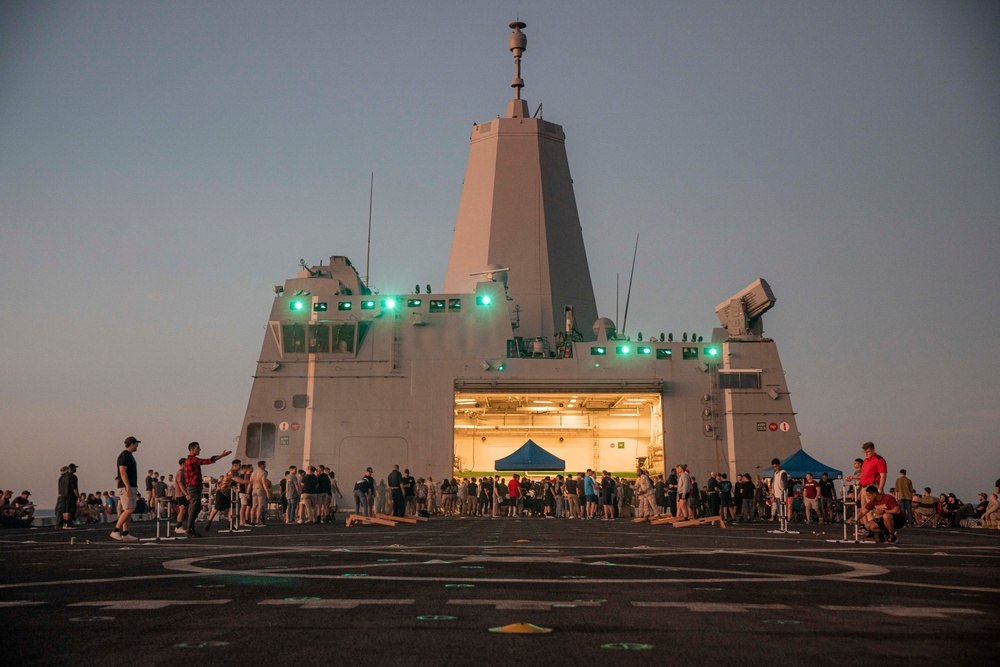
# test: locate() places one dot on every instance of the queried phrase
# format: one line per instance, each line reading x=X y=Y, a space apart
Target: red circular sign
x=773 y=426
x=295 y=426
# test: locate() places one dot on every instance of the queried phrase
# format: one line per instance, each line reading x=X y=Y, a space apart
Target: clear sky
x=163 y=165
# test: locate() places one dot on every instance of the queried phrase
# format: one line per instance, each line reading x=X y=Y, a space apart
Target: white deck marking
x=335 y=604
x=712 y=606
x=20 y=603
x=145 y=604
x=528 y=605
x=905 y=612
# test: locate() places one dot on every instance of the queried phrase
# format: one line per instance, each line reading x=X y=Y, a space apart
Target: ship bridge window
x=689 y=353
x=343 y=338
x=664 y=353
x=436 y=306
x=319 y=338
x=742 y=380
x=413 y=303
x=293 y=338
x=454 y=305
x=260 y=440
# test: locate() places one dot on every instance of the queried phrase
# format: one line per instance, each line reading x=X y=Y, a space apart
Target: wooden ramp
x=403 y=519
x=357 y=518
x=701 y=522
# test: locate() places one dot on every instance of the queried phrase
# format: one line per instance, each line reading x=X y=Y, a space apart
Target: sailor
x=646 y=493
x=409 y=486
x=779 y=489
x=363 y=490
x=395 y=481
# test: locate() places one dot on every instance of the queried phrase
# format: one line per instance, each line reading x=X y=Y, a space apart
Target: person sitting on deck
x=882 y=514
x=991 y=517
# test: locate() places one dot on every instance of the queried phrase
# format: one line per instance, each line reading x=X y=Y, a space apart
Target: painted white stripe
x=527 y=605
x=145 y=604
x=906 y=612
x=711 y=606
x=335 y=604
x=20 y=603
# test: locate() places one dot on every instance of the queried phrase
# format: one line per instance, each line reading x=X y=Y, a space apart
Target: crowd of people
x=245 y=496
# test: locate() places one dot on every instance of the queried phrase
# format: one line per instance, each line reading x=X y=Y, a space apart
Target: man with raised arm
x=193 y=479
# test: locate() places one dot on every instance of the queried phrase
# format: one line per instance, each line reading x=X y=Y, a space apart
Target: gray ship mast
x=518 y=211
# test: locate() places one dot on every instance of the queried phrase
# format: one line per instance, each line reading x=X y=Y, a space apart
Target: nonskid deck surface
x=370 y=593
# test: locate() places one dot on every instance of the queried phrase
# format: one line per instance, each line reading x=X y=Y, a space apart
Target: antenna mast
x=629 y=294
x=518 y=43
x=368 y=256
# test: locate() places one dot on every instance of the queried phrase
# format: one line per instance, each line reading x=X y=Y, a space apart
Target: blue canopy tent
x=529 y=457
x=799 y=463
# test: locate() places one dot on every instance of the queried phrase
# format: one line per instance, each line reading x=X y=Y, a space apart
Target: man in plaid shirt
x=192 y=480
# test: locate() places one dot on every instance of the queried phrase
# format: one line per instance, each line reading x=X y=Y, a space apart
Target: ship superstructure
x=511 y=350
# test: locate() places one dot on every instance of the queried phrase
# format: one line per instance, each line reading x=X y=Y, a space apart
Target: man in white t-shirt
x=779 y=489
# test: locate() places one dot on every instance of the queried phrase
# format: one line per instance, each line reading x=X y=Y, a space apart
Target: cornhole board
x=357 y=518
x=669 y=519
x=389 y=517
x=701 y=522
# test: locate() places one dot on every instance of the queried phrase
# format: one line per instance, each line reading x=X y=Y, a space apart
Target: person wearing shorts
x=882 y=514
x=128 y=490
x=590 y=492
x=260 y=487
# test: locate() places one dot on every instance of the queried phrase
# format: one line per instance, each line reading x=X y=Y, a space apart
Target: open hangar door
x=614 y=426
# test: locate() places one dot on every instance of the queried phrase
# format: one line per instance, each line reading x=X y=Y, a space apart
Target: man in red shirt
x=882 y=514
x=810 y=497
x=192 y=480
x=873 y=469
x=513 y=493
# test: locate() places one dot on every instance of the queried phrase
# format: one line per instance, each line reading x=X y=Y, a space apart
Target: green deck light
x=389 y=303
x=597 y=350
x=623 y=349
x=344 y=305
x=368 y=304
x=712 y=351
x=297 y=305
x=644 y=349
x=483 y=300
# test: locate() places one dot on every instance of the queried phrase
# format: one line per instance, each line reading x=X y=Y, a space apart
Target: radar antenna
x=312 y=274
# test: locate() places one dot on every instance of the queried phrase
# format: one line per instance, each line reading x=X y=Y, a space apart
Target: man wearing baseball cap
x=128 y=483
